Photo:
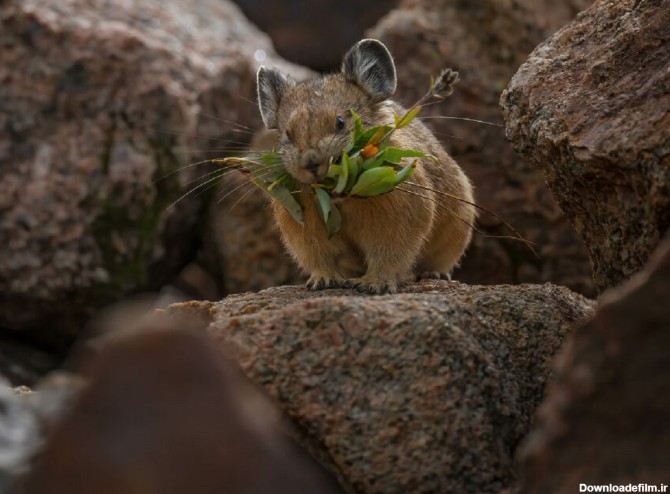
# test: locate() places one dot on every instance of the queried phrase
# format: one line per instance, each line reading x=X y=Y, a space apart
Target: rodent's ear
x=271 y=85
x=369 y=65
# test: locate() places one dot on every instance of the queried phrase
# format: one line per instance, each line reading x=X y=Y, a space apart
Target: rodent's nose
x=313 y=166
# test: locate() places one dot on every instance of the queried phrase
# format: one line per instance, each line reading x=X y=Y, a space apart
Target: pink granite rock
x=101 y=102
x=426 y=391
x=591 y=108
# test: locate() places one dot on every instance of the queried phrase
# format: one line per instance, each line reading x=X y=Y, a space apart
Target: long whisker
x=181 y=168
x=224 y=150
x=461 y=118
x=244 y=196
x=219 y=171
x=246 y=99
x=243 y=184
x=448 y=135
x=516 y=236
x=197 y=187
x=219 y=119
x=194 y=136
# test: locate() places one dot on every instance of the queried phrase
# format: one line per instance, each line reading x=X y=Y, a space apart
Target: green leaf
x=270 y=157
x=391 y=155
x=324 y=204
x=405 y=173
x=375 y=181
x=395 y=155
x=344 y=174
x=282 y=194
x=367 y=135
x=334 y=221
x=377 y=137
x=354 y=168
x=358 y=126
x=278 y=181
x=407 y=118
x=334 y=171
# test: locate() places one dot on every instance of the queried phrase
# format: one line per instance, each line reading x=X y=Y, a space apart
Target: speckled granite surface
x=429 y=390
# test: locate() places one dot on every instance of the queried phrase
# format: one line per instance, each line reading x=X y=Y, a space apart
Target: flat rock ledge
x=428 y=390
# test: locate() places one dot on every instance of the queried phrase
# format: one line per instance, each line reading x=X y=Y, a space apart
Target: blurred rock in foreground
x=165 y=413
x=605 y=419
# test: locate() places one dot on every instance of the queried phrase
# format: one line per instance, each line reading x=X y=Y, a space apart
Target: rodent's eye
x=339 y=123
x=289 y=136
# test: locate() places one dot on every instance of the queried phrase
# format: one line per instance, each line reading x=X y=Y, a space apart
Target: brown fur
x=387 y=239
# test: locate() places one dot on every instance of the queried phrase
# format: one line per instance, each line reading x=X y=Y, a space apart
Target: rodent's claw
x=373 y=286
x=433 y=275
x=322 y=282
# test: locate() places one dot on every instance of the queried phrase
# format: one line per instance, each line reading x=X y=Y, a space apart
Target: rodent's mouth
x=314 y=172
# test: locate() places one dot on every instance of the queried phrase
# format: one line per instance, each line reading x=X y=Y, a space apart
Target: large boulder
x=429 y=390
x=103 y=103
x=487 y=40
x=605 y=419
x=591 y=108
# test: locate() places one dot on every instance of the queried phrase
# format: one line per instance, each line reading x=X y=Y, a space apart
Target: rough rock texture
x=426 y=391
x=165 y=413
x=605 y=419
x=591 y=107
x=487 y=40
x=100 y=102
x=315 y=33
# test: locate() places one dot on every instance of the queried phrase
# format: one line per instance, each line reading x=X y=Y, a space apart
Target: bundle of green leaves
x=369 y=166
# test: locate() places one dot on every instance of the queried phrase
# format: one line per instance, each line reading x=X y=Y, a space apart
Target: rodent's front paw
x=375 y=286
x=433 y=275
x=321 y=282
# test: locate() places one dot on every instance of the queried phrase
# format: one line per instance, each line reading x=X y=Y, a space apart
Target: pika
x=413 y=232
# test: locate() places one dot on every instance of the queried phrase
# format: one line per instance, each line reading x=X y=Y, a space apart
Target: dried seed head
x=443 y=86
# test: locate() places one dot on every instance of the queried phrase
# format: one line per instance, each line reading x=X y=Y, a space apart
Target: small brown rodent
x=386 y=239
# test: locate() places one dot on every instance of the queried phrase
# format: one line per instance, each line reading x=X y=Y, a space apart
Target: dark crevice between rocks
x=24 y=361
x=315 y=33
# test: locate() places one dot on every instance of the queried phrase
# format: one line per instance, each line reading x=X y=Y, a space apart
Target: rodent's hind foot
x=374 y=286
x=322 y=282
x=433 y=275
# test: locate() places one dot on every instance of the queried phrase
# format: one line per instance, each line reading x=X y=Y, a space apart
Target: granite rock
x=429 y=390
x=591 y=108
x=102 y=104
x=605 y=419
x=486 y=41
